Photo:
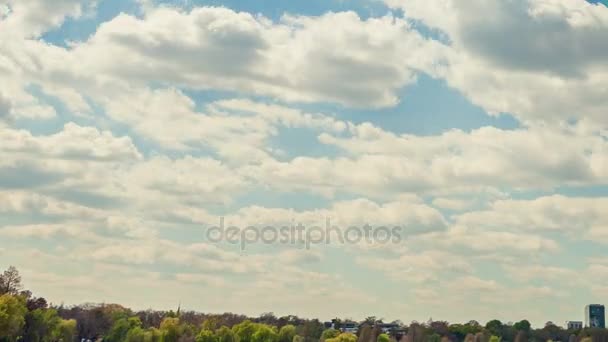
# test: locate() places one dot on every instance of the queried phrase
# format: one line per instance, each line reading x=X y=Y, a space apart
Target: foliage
x=41 y=325
x=329 y=334
x=245 y=331
x=287 y=333
x=67 y=330
x=264 y=333
x=206 y=336
x=383 y=338
x=344 y=337
x=12 y=316
x=224 y=334
x=170 y=329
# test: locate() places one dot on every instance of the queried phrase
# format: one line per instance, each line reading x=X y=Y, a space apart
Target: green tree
x=12 y=316
x=206 y=336
x=287 y=333
x=299 y=338
x=66 y=330
x=495 y=338
x=265 y=333
x=494 y=327
x=41 y=325
x=245 y=330
x=170 y=329
x=224 y=334
x=522 y=326
x=121 y=327
x=434 y=338
x=329 y=334
x=210 y=323
x=344 y=337
x=153 y=335
x=383 y=338
x=136 y=334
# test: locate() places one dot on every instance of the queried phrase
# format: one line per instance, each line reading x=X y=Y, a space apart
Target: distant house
x=574 y=325
x=347 y=327
x=350 y=327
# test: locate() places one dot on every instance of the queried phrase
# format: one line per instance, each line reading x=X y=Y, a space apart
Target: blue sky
x=129 y=128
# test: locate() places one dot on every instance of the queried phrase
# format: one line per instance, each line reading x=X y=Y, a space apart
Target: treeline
x=24 y=317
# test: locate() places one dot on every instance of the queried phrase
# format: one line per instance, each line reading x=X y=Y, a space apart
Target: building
x=595 y=316
x=574 y=325
x=346 y=327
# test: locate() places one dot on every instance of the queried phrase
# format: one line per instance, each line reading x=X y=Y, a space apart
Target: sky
x=130 y=129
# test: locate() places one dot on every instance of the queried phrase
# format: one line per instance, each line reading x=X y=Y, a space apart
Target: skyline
x=129 y=128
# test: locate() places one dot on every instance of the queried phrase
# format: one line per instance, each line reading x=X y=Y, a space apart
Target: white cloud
x=576 y=217
x=31 y=18
x=336 y=57
x=539 y=60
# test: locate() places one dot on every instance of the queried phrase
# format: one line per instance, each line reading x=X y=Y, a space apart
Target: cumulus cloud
x=337 y=57
x=31 y=18
x=575 y=217
x=539 y=60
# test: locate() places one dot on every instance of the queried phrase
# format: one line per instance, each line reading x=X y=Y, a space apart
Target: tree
x=244 y=330
x=41 y=325
x=264 y=333
x=10 y=281
x=494 y=327
x=136 y=334
x=521 y=337
x=383 y=338
x=170 y=329
x=329 y=334
x=206 y=336
x=121 y=327
x=287 y=333
x=12 y=316
x=522 y=326
x=311 y=330
x=495 y=338
x=210 y=323
x=299 y=338
x=224 y=334
x=344 y=337
x=434 y=338
x=67 y=330
x=365 y=333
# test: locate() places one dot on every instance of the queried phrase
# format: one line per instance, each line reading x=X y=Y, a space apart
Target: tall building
x=595 y=316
